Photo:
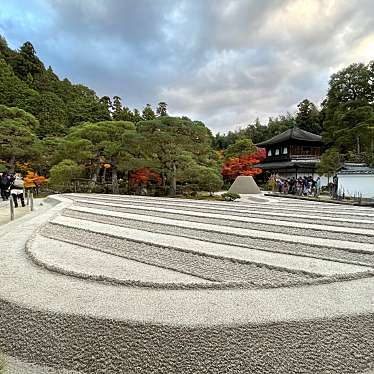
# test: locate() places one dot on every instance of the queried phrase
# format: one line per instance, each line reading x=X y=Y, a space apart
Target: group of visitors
x=11 y=185
x=301 y=186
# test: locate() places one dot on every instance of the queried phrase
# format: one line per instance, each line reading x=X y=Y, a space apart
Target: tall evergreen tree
x=136 y=116
x=349 y=109
x=148 y=113
x=117 y=109
x=162 y=109
x=26 y=64
x=17 y=137
x=107 y=103
x=308 y=117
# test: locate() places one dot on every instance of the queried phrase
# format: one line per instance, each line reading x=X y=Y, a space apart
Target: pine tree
x=117 y=109
x=148 y=113
x=162 y=109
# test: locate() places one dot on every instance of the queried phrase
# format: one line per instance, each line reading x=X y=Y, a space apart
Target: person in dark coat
x=4 y=185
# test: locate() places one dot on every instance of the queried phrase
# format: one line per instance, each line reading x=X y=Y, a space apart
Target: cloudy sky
x=224 y=62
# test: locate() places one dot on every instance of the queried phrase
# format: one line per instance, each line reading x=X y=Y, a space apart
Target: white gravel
x=320 y=231
x=218 y=234
x=103 y=328
x=81 y=261
x=314 y=266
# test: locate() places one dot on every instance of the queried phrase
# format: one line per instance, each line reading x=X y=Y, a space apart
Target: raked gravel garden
x=129 y=284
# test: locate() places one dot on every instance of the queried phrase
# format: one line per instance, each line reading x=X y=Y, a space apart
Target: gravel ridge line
x=220 y=222
x=304 y=250
x=115 y=281
x=242 y=207
x=204 y=213
x=277 y=204
x=325 y=209
x=111 y=329
x=230 y=251
x=265 y=272
x=276 y=228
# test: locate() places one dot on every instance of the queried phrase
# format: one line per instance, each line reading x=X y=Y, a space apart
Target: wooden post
x=28 y=197
x=31 y=201
x=11 y=208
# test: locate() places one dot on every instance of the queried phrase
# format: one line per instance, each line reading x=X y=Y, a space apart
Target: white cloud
x=225 y=62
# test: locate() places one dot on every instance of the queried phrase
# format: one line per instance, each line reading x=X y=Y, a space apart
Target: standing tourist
x=317 y=190
x=4 y=185
x=16 y=190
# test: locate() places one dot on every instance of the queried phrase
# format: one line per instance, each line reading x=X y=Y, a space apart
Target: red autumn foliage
x=243 y=165
x=144 y=176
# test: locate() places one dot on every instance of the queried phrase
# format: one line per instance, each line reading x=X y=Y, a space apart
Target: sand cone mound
x=244 y=185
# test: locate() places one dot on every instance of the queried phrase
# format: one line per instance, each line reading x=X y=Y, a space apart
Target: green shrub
x=62 y=175
x=230 y=196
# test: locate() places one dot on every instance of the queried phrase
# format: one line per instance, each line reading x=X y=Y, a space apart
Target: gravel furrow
x=257 y=243
x=243 y=203
x=218 y=270
x=246 y=212
x=323 y=209
x=248 y=225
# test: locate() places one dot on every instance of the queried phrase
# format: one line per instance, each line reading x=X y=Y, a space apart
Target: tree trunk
x=128 y=182
x=95 y=176
x=115 y=187
x=173 y=187
x=163 y=182
x=12 y=164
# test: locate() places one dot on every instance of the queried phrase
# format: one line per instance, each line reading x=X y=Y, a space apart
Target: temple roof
x=292 y=134
x=287 y=164
x=350 y=168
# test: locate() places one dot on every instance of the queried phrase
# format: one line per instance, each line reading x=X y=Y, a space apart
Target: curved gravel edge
x=88 y=345
x=310 y=250
x=315 y=280
x=238 y=224
x=332 y=345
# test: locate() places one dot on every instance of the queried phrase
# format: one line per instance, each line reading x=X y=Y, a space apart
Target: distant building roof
x=350 y=168
x=288 y=164
x=292 y=134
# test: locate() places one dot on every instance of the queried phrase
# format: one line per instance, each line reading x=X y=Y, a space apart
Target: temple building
x=293 y=153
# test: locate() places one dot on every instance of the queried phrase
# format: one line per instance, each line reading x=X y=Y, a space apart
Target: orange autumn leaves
x=32 y=180
x=243 y=165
